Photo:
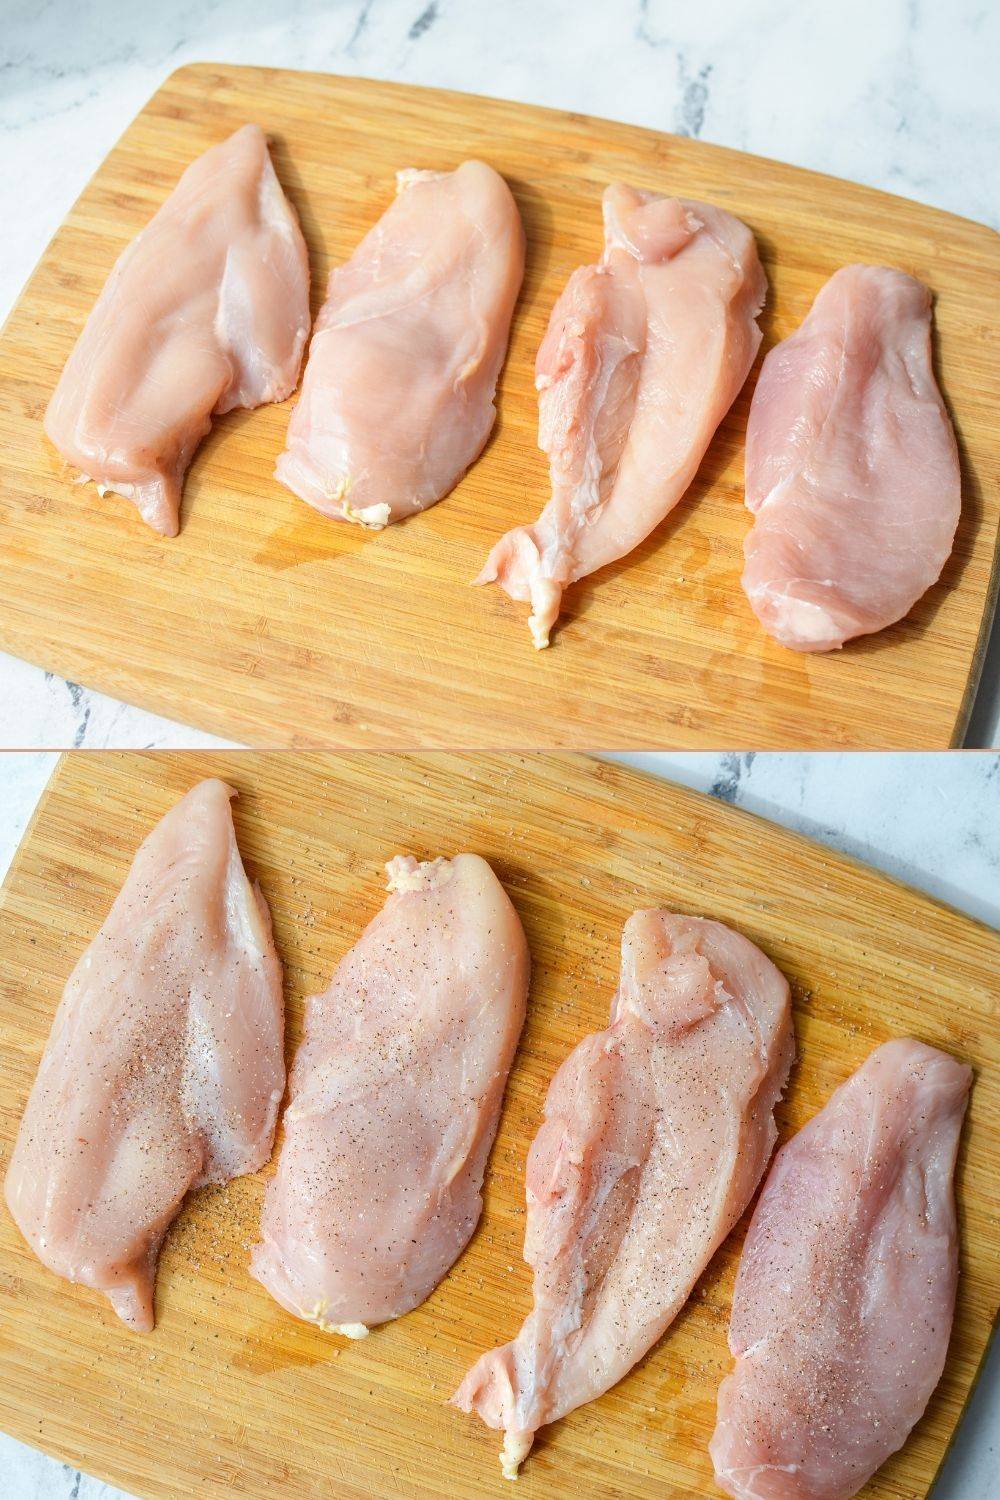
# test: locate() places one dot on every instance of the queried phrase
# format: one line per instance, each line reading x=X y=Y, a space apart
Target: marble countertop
x=900 y=94
x=931 y=820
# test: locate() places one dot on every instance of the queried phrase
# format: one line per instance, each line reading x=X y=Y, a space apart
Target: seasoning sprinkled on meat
x=656 y=1134
x=844 y=1299
x=395 y=1097
x=164 y=1068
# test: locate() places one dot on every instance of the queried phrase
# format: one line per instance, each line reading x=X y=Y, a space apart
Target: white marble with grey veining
x=900 y=94
x=930 y=820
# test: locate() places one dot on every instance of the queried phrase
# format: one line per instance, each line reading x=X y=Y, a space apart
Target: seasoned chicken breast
x=656 y=1134
x=164 y=1068
x=846 y=1288
x=206 y=310
x=644 y=355
x=395 y=1098
x=397 y=398
x=852 y=467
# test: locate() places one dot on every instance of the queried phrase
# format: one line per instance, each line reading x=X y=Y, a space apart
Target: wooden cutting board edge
x=979 y=657
x=205 y=763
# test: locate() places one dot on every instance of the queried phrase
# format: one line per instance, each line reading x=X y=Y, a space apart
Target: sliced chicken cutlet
x=397 y=398
x=206 y=310
x=644 y=355
x=395 y=1097
x=852 y=469
x=164 y=1068
x=846 y=1288
x=656 y=1134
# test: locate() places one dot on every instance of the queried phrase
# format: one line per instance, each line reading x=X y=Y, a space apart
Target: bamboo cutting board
x=230 y=1395
x=269 y=624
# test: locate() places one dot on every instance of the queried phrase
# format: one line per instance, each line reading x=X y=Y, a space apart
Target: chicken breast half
x=395 y=1097
x=206 y=310
x=852 y=467
x=846 y=1288
x=656 y=1134
x=644 y=355
x=397 y=398
x=164 y=1068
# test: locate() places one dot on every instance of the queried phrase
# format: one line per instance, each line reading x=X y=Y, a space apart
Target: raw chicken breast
x=397 y=398
x=644 y=355
x=395 y=1097
x=206 y=310
x=656 y=1133
x=852 y=466
x=845 y=1293
x=164 y=1067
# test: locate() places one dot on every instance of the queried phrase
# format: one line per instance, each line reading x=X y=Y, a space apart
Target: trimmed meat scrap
x=164 y=1068
x=644 y=355
x=206 y=310
x=846 y=1288
x=656 y=1134
x=395 y=1097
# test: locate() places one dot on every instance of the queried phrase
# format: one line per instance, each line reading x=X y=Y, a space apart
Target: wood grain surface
x=230 y=1395
x=269 y=624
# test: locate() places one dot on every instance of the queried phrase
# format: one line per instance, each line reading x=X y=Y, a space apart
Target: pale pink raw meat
x=846 y=1288
x=644 y=355
x=397 y=398
x=395 y=1098
x=206 y=310
x=656 y=1133
x=164 y=1068
x=852 y=467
